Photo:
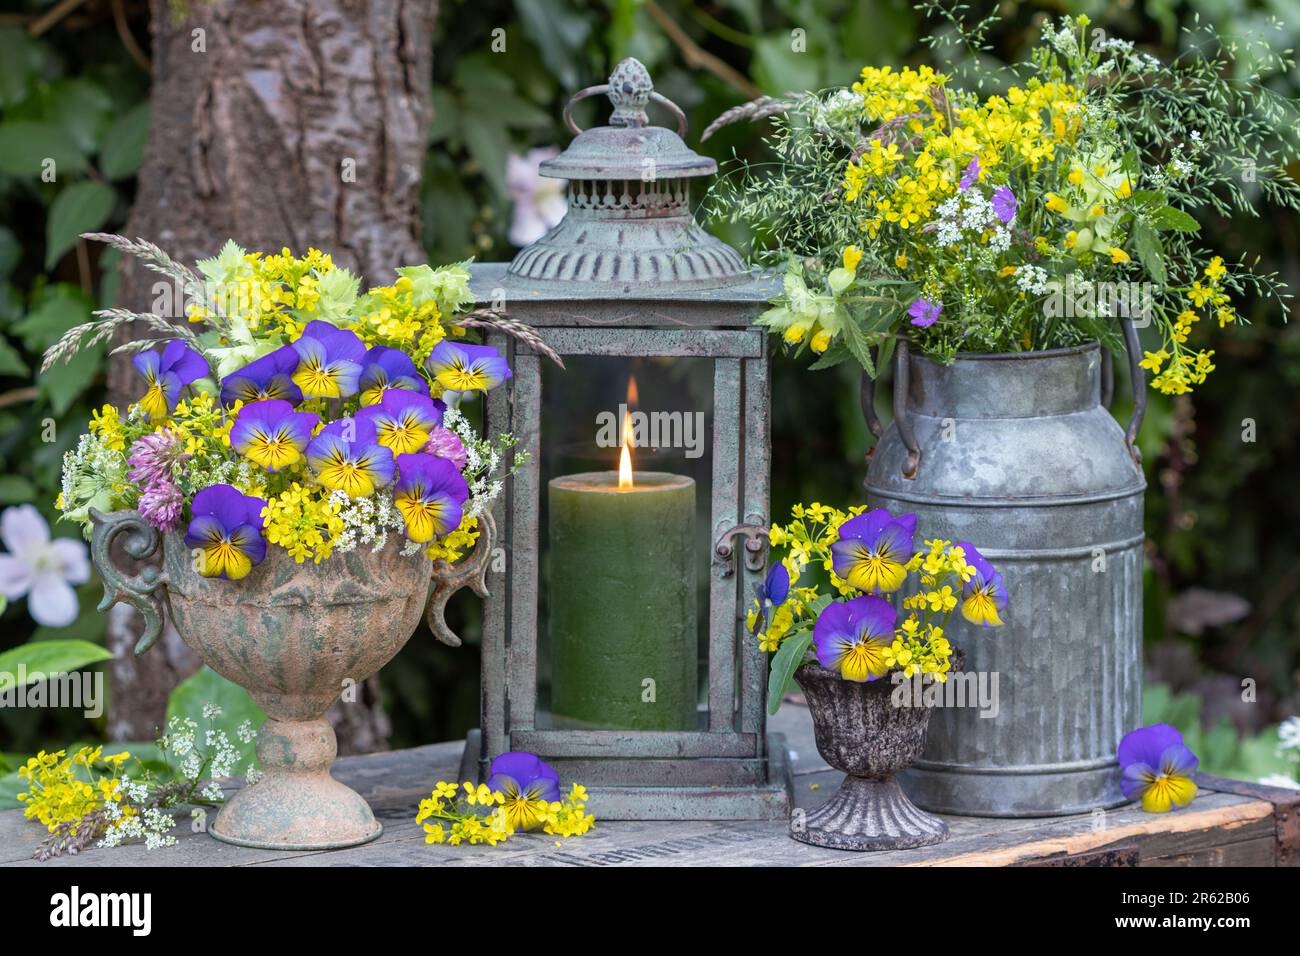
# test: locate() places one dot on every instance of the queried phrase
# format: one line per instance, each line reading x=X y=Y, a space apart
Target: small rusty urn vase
x=862 y=733
x=294 y=636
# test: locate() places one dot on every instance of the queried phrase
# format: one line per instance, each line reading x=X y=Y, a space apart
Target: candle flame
x=625 y=456
x=633 y=396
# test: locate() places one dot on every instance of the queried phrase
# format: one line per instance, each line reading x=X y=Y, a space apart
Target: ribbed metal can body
x=1019 y=457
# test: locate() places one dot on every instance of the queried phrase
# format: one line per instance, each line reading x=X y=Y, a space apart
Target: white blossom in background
x=1280 y=780
x=538 y=201
x=42 y=569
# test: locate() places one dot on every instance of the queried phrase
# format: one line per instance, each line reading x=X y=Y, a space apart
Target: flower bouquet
x=841 y=642
x=299 y=453
x=1030 y=219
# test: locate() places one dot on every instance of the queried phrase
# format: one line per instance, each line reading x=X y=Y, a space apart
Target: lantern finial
x=630 y=87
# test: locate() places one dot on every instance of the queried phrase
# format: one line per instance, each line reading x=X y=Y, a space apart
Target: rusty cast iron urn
x=862 y=733
x=294 y=636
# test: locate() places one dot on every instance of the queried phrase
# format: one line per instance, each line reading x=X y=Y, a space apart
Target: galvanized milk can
x=1018 y=454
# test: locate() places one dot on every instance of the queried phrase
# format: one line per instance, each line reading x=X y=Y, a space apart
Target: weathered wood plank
x=1218 y=829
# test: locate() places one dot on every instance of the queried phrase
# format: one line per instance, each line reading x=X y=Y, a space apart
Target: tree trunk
x=299 y=123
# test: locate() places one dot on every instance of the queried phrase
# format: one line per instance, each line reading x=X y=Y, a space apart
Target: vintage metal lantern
x=613 y=642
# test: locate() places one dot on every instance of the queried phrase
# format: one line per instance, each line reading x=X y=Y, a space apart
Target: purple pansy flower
x=873 y=550
x=1157 y=767
x=226 y=532
x=851 y=637
x=270 y=376
x=165 y=374
x=271 y=433
x=972 y=174
x=404 y=420
x=347 y=456
x=1004 y=204
x=984 y=596
x=771 y=594
x=386 y=368
x=528 y=784
x=923 y=313
x=329 y=361
x=430 y=493
x=467 y=368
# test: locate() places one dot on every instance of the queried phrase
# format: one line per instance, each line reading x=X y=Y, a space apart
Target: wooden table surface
x=1219 y=828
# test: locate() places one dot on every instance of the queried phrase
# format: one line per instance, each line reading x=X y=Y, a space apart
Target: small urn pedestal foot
x=296 y=805
x=868 y=813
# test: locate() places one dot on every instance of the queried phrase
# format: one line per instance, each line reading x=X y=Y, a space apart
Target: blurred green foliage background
x=1223 y=595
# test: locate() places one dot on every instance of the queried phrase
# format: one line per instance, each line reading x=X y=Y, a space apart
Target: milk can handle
x=1138 y=382
x=867 y=398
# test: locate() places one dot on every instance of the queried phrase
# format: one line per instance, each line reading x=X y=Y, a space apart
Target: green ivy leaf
x=43 y=658
x=785 y=662
x=26 y=144
x=123 y=150
x=81 y=207
x=11 y=363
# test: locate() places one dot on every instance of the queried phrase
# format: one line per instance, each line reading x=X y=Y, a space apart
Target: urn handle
x=1138 y=381
x=449 y=578
x=867 y=398
x=143 y=591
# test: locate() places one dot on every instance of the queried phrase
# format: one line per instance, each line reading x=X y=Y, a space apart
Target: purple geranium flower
x=165 y=375
x=467 y=368
x=271 y=433
x=528 y=784
x=227 y=532
x=270 y=376
x=924 y=313
x=347 y=456
x=873 y=550
x=851 y=637
x=972 y=174
x=404 y=420
x=1157 y=767
x=1004 y=203
x=772 y=593
x=984 y=596
x=430 y=493
x=329 y=361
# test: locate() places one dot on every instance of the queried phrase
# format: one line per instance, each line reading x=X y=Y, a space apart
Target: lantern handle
x=448 y=579
x=630 y=89
x=1138 y=384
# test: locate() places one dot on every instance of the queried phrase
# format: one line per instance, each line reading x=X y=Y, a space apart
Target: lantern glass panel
x=623 y=602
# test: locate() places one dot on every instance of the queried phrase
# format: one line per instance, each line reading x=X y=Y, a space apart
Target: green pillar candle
x=622 y=601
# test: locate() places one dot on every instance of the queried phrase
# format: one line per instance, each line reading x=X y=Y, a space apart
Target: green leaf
x=785 y=662
x=559 y=32
x=11 y=363
x=123 y=150
x=64 y=383
x=1151 y=253
x=1168 y=218
x=779 y=69
x=59 y=308
x=858 y=345
x=81 y=207
x=43 y=658
x=206 y=688
x=16 y=490
x=25 y=145
x=833 y=356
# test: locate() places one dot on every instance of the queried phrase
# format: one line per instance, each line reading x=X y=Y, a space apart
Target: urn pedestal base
x=868 y=813
x=296 y=805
